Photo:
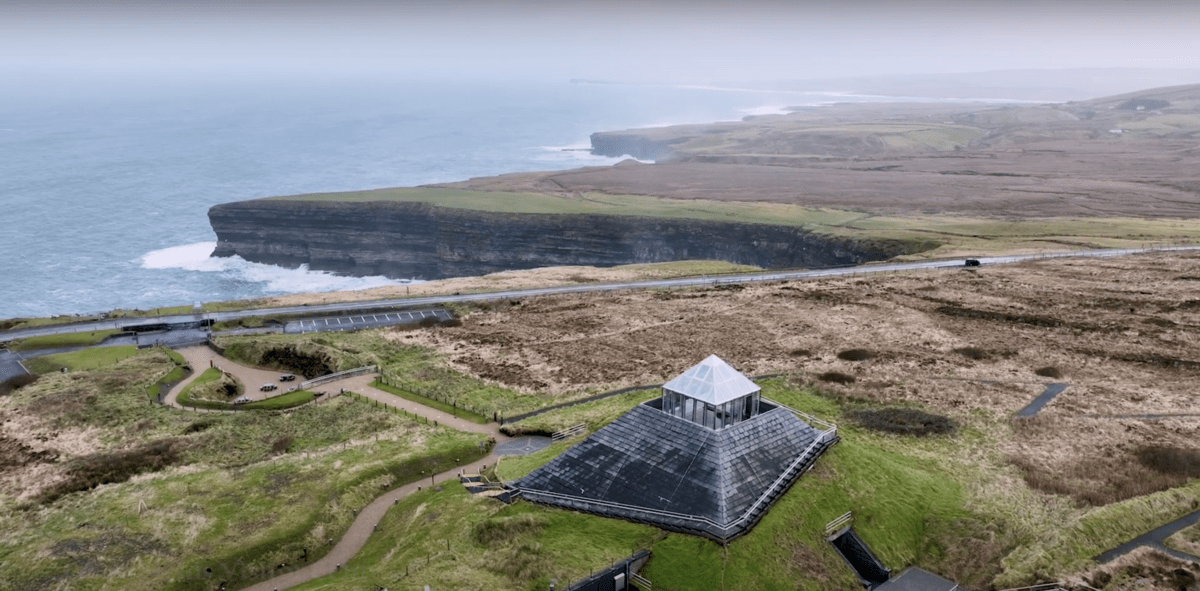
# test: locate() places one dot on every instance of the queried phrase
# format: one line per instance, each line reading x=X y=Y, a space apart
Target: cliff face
x=418 y=240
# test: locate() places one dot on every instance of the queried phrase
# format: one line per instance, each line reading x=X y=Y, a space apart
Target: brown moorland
x=1133 y=155
x=1122 y=332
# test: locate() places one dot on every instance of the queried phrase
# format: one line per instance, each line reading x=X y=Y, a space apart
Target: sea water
x=105 y=183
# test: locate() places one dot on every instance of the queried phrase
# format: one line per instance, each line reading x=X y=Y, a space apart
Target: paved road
x=1043 y=399
x=10 y=365
x=1155 y=538
x=201 y=357
x=363 y=321
x=357 y=307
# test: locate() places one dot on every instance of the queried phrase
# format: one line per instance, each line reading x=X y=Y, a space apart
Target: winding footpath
x=360 y=530
x=358 y=533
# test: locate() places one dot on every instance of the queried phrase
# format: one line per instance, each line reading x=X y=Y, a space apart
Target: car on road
x=287 y=377
x=972 y=262
x=267 y=387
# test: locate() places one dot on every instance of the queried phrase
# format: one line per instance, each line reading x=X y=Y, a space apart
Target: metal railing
x=641 y=582
x=349 y=373
x=569 y=432
x=821 y=439
x=833 y=526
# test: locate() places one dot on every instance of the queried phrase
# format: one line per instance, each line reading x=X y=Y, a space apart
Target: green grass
x=69 y=339
x=283 y=401
x=210 y=375
x=514 y=467
x=431 y=403
x=594 y=414
x=449 y=539
x=86 y=359
x=251 y=491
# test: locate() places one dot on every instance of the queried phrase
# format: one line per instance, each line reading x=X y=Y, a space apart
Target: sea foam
x=273 y=279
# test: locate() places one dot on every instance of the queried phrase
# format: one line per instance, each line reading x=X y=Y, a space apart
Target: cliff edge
x=406 y=240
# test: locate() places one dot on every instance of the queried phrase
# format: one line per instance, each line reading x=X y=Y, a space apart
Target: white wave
x=581 y=153
x=765 y=110
x=274 y=280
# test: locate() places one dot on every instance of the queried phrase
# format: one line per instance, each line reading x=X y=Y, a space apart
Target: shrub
x=1048 y=372
x=117 y=466
x=15 y=382
x=800 y=353
x=497 y=530
x=856 y=355
x=836 y=378
x=281 y=445
x=291 y=359
x=972 y=353
x=904 y=421
x=1171 y=460
x=1102 y=480
x=199 y=426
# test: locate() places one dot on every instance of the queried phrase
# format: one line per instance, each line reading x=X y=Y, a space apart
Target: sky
x=701 y=41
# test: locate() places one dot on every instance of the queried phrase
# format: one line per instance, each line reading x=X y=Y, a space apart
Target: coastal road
x=358 y=308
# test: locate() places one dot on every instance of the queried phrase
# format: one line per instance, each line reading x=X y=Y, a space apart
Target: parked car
x=287 y=377
x=972 y=262
x=267 y=387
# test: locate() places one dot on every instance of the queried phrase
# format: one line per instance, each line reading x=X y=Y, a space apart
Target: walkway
x=1155 y=539
x=1043 y=399
x=360 y=531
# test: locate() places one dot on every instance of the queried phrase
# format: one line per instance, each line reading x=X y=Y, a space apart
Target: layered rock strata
x=420 y=240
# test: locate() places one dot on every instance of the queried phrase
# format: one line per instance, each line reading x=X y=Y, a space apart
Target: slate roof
x=648 y=461
x=915 y=579
x=712 y=381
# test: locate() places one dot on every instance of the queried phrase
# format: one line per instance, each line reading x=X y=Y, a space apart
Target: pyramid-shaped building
x=707 y=458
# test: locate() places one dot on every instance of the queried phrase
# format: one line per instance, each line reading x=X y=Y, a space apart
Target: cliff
x=420 y=240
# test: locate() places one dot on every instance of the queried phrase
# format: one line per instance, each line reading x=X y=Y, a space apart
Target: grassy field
x=188 y=396
x=470 y=416
x=69 y=339
x=414 y=369
x=593 y=414
x=241 y=492
x=86 y=359
x=448 y=539
x=283 y=401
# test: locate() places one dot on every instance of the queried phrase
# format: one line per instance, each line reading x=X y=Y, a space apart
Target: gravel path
x=360 y=531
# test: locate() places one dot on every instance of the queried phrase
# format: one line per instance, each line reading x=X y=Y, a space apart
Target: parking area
x=362 y=321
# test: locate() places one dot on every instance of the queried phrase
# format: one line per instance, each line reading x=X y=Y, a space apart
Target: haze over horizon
x=676 y=42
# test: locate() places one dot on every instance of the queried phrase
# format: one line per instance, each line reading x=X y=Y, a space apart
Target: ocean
x=105 y=183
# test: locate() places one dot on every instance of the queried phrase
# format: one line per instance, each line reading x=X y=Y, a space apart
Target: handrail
x=569 y=432
x=820 y=439
x=349 y=373
x=838 y=523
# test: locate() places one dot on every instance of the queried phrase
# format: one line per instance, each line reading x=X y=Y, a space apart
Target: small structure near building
x=707 y=458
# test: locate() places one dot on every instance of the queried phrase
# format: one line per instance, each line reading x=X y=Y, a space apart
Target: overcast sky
x=713 y=41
